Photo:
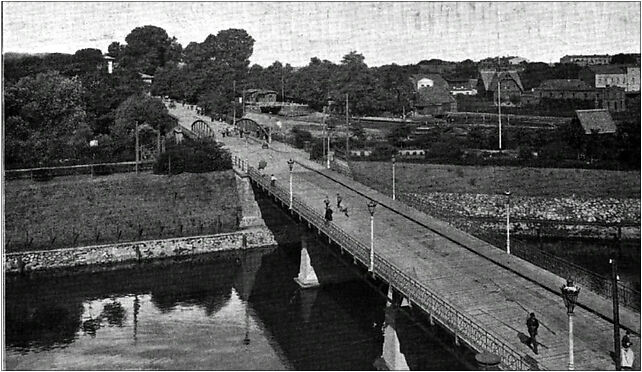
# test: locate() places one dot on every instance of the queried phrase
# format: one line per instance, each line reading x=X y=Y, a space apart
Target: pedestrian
x=339 y=199
x=272 y=180
x=326 y=201
x=532 y=324
x=626 y=340
x=344 y=210
x=627 y=357
x=328 y=215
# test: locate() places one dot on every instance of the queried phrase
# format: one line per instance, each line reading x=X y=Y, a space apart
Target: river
x=234 y=310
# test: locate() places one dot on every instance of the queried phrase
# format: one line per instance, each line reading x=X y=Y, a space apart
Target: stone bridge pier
x=392 y=358
x=319 y=265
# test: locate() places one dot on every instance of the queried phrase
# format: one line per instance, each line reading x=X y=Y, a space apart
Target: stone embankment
x=95 y=258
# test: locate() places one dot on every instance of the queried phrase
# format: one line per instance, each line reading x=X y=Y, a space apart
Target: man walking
x=339 y=199
x=532 y=323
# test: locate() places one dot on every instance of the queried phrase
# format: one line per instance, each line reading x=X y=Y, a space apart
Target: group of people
x=627 y=357
x=329 y=211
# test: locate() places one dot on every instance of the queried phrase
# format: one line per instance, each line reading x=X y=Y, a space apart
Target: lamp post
x=393 y=177
x=615 y=254
x=569 y=293
x=507 y=193
x=371 y=208
x=93 y=144
x=291 y=166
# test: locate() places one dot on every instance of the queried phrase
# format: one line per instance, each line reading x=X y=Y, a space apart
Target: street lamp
x=393 y=177
x=93 y=144
x=291 y=166
x=371 y=208
x=507 y=193
x=569 y=293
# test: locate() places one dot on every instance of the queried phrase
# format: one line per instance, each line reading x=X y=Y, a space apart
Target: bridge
x=479 y=293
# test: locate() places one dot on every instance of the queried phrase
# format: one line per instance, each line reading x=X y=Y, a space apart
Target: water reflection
x=237 y=311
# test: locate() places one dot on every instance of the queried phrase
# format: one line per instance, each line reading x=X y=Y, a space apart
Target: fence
x=74 y=170
x=445 y=313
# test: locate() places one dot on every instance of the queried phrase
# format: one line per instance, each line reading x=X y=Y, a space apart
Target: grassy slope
x=548 y=182
x=117 y=202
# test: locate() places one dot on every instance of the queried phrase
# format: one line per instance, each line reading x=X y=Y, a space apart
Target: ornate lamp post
x=569 y=293
x=291 y=166
x=371 y=208
x=507 y=193
x=393 y=177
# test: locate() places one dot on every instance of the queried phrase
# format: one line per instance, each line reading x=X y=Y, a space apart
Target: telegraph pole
x=137 y=152
x=615 y=252
x=234 y=105
x=347 y=130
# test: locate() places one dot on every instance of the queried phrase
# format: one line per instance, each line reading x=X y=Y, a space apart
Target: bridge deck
x=495 y=290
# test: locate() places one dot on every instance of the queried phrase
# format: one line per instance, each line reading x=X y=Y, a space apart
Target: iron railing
x=463 y=326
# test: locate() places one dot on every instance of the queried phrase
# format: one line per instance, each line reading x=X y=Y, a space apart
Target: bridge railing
x=466 y=328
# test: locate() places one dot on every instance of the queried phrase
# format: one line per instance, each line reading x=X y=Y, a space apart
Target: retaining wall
x=96 y=257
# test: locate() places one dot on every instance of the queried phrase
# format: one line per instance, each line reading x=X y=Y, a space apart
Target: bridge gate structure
x=252 y=127
x=202 y=129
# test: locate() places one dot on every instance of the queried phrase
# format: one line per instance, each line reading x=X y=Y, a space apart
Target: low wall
x=97 y=256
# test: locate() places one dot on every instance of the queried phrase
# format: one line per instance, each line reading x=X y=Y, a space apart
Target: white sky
x=383 y=32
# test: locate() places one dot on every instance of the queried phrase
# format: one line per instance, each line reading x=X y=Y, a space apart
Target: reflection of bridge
x=479 y=293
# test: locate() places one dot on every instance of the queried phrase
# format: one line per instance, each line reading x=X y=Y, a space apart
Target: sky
x=384 y=32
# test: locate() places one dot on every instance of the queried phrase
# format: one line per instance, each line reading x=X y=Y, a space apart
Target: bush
x=103 y=170
x=301 y=137
x=199 y=156
x=42 y=175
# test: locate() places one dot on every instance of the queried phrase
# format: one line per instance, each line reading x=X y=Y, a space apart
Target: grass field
x=78 y=211
x=547 y=182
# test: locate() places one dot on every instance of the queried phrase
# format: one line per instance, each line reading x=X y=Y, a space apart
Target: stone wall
x=99 y=256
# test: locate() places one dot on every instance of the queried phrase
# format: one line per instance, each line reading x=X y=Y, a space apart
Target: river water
x=234 y=310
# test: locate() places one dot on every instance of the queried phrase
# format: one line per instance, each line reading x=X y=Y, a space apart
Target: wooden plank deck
x=494 y=289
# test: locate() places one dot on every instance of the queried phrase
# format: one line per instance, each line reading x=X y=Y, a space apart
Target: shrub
x=103 y=170
x=42 y=175
x=199 y=156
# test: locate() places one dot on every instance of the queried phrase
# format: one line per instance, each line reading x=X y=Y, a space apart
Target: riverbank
x=109 y=257
x=81 y=211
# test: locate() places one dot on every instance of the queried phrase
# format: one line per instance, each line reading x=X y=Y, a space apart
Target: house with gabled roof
x=597 y=121
x=509 y=85
x=432 y=95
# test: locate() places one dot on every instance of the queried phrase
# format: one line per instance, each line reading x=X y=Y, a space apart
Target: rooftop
x=564 y=84
x=597 y=121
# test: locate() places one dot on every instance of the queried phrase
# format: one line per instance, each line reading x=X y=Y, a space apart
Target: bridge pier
x=398 y=299
x=307 y=276
x=392 y=356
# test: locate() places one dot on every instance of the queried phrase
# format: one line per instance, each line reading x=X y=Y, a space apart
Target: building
x=432 y=96
x=147 y=79
x=516 y=60
x=632 y=79
x=602 y=76
x=596 y=121
x=587 y=60
x=110 y=63
x=509 y=81
x=466 y=87
x=565 y=89
x=259 y=96
x=610 y=98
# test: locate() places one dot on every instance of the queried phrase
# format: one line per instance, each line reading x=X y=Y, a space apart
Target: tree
x=46 y=120
x=148 y=48
x=86 y=61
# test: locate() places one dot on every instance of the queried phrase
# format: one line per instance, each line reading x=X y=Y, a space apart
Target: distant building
x=432 y=95
x=602 y=76
x=509 y=81
x=516 y=60
x=259 y=96
x=147 y=79
x=110 y=63
x=595 y=121
x=587 y=60
x=610 y=98
x=466 y=87
x=632 y=79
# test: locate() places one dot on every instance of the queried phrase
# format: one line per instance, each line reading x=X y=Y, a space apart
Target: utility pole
x=234 y=105
x=137 y=152
x=615 y=252
x=499 y=107
x=282 y=89
x=347 y=130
